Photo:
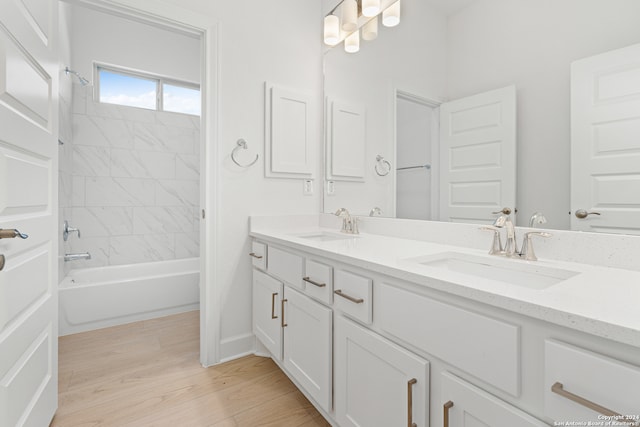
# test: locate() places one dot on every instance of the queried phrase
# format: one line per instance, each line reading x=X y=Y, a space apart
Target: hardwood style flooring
x=148 y=374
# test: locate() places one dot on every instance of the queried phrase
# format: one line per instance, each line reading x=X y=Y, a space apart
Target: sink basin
x=511 y=271
x=323 y=236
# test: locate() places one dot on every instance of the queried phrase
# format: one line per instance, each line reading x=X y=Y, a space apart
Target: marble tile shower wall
x=135 y=183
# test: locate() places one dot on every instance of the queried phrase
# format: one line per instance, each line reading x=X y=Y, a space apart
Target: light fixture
x=370 y=29
x=331 y=30
x=349 y=15
x=352 y=42
x=370 y=8
x=391 y=15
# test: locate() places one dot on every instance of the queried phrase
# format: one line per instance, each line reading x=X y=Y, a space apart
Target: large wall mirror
x=475 y=105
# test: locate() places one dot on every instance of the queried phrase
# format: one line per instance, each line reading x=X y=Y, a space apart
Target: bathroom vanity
x=378 y=329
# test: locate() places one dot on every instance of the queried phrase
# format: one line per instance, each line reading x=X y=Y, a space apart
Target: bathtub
x=95 y=298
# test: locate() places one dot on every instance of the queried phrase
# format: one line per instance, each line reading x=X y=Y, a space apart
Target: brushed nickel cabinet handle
x=282 y=322
x=559 y=389
x=445 y=415
x=349 y=297
x=273 y=305
x=11 y=233
x=308 y=280
x=253 y=254
x=410 y=384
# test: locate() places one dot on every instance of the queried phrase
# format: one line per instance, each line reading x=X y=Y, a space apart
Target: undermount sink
x=511 y=271
x=323 y=236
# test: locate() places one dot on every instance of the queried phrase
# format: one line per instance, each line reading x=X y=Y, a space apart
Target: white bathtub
x=100 y=297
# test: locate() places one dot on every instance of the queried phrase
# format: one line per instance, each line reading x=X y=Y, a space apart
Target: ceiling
x=449 y=7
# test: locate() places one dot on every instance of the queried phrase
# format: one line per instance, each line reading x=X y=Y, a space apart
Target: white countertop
x=598 y=300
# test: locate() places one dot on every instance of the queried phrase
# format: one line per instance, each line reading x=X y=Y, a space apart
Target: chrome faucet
x=536 y=219
x=75 y=257
x=376 y=211
x=349 y=223
x=511 y=246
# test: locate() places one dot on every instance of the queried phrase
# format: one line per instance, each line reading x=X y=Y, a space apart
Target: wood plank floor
x=148 y=374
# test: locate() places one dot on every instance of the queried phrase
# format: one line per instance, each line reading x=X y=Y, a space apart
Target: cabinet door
x=378 y=384
x=469 y=406
x=307 y=345
x=267 y=305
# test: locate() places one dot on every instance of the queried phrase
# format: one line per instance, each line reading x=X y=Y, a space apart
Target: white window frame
x=158 y=79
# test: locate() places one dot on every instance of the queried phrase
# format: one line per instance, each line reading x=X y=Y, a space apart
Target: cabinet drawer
x=286 y=266
x=468 y=405
x=606 y=382
x=481 y=346
x=259 y=255
x=353 y=295
x=318 y=281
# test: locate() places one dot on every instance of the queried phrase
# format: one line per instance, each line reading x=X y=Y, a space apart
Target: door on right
x=605 y=142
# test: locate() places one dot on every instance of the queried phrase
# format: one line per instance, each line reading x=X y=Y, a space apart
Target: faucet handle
x=496 y=244
x=527 y=245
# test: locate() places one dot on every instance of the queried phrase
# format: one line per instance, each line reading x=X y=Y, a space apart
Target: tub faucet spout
x=74 y=257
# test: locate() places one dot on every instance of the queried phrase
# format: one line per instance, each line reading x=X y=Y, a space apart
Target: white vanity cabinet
x=308 y=345
x=465 y=405
x=295 y=329
x=378 y=384
x=267 y=312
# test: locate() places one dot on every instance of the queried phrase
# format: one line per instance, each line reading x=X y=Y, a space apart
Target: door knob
x=505 y=210
x=11 y=233
x=1 y=262
x=582 y=214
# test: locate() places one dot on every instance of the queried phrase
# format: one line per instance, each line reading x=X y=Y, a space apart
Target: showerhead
x=82 y=80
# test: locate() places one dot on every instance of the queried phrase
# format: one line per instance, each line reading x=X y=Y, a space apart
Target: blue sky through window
x=122 y=89
x=181 y=99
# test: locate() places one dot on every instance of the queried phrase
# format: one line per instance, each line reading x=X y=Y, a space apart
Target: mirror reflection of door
x=605 y=142
x=478 y=156
x=416 y=147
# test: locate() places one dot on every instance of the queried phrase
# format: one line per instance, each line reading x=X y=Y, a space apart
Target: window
x=147 y=91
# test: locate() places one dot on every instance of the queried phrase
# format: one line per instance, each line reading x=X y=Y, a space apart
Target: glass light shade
x=370 y=29
x=331 y=30
x=370 y=7
x=391 y=15
x=349 y=15
x=352 y=42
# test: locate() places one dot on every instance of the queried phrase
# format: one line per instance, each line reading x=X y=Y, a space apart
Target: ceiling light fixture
x=391 y=15
x=370 y=8
x=331 y=30
x=345 y=21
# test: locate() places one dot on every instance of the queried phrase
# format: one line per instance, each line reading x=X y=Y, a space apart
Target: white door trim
x=181 y=20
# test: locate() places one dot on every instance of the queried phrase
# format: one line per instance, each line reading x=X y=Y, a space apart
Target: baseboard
x=236 y=347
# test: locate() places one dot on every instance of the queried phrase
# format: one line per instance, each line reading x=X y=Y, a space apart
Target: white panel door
x=469 y=406
x=267 y=312
x=346 y=148
x=378 y=384
x=478 y=156
x=308 y=348
x=28 y=196
x=605 y=141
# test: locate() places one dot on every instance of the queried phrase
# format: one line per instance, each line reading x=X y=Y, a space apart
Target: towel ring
x=379 y=160
x=242 y=144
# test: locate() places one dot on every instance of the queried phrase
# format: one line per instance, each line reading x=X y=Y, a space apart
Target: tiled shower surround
x=135 y=183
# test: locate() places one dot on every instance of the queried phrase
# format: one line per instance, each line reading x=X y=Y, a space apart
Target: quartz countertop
x=597 y=300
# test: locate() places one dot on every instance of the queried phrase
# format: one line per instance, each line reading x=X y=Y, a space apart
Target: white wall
x=495 y=43
x=114 y=40
x=276 y=41
x=373 y=76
